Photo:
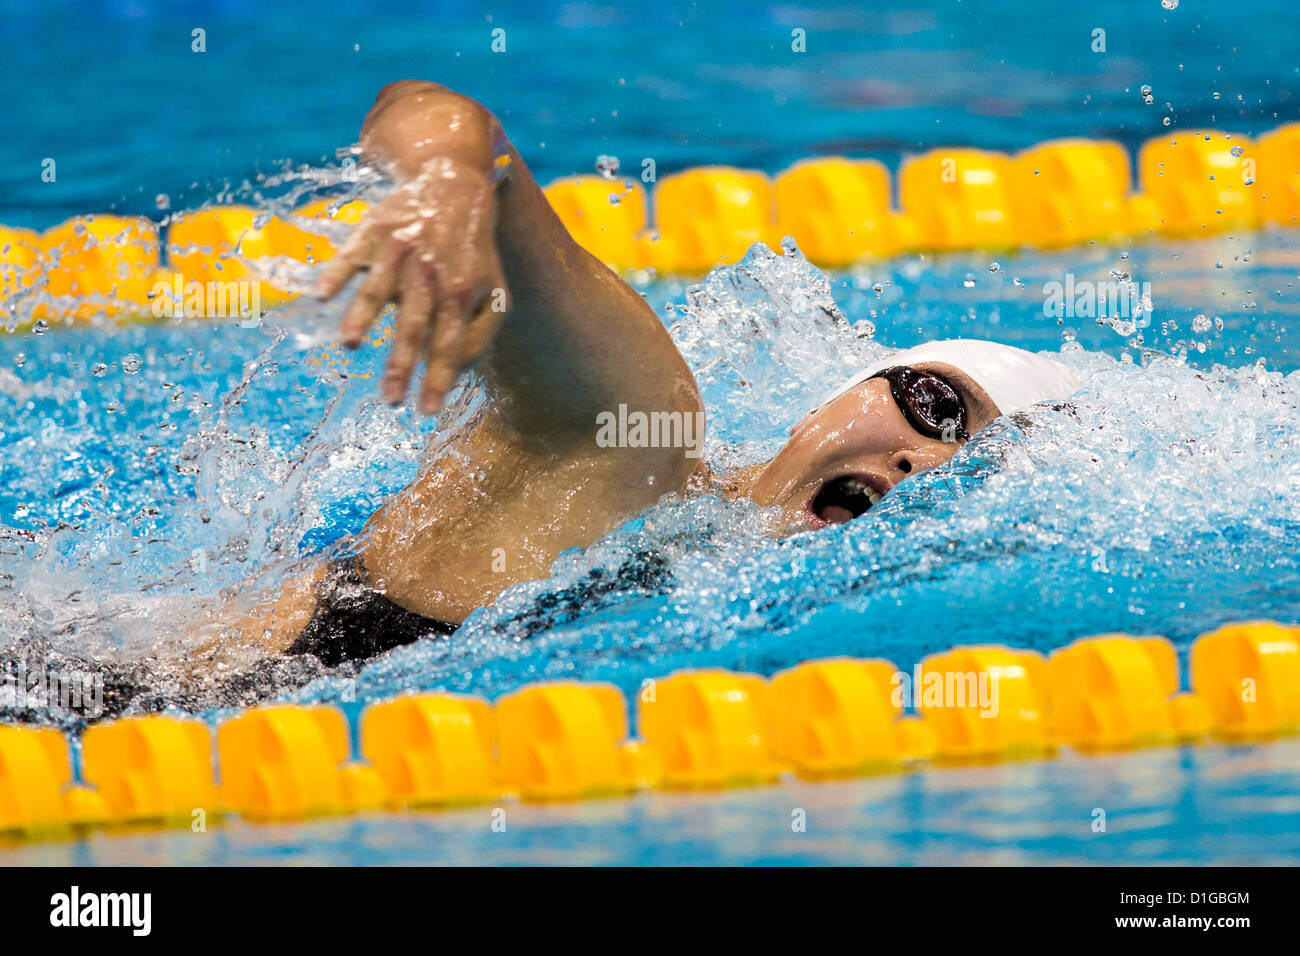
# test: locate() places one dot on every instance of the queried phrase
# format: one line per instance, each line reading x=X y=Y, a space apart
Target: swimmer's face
x=848 y=453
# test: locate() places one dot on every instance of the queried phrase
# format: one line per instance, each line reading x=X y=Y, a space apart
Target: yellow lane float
x=703 y=729
x=838 y=210
x=1201 y=182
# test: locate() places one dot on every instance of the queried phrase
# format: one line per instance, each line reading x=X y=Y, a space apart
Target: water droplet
x=40 y=326
x=99 y=370
x=969 y=281
x=994 y=267
x=1201 y=324
x=1169 y=4
x=132 y=364
x=1165 y=121
x=607 y=166
x=1237 y=150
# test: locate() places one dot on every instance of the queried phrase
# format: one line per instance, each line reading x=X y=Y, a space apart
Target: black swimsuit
x=353 y=621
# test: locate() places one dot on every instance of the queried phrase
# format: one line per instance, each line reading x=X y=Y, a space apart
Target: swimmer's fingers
x=376 y=292
x=353 y=257
x=442 y=363
x=415 y=305
x=483 y=324
x=458 y=341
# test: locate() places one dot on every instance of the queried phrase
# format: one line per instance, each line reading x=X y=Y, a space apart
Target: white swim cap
x=1012 y=377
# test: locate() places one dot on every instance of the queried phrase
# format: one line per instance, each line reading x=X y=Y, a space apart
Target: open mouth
x=845 y=498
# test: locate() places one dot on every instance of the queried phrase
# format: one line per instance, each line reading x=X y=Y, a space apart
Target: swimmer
x=483 y=274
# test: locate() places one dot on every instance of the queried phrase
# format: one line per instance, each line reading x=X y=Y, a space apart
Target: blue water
x=144 y=469
x=111 y=90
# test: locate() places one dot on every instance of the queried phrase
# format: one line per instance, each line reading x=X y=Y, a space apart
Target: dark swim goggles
x=932 y=406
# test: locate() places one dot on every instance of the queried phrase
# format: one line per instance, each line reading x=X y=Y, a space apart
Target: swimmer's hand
x=429 y=246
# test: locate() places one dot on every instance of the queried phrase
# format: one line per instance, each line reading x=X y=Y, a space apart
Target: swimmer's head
x=898 y=417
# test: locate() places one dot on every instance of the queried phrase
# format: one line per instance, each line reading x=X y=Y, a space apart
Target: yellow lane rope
x=822 y=719
x=840 y=211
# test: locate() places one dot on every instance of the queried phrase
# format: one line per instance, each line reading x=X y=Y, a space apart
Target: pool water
x=129 y=111
x=146 y=469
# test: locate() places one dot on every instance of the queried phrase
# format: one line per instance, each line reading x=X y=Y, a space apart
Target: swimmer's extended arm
x=528 y=478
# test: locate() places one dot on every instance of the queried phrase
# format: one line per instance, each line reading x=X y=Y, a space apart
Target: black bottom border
x=334 y=905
